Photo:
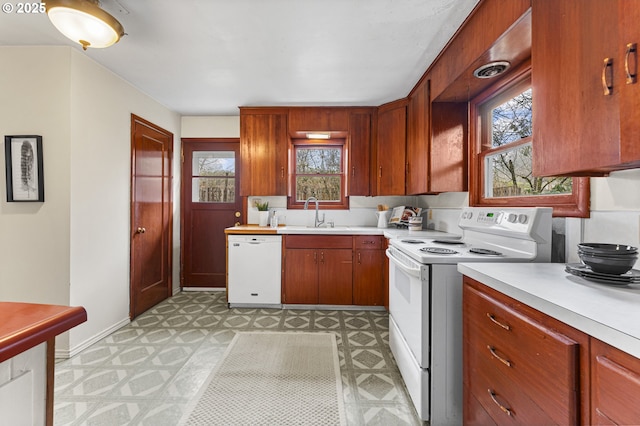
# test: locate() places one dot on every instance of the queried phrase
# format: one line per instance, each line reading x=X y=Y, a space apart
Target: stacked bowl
x=612 y=259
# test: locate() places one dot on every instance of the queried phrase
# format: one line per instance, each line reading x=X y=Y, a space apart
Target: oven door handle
x=414 y=272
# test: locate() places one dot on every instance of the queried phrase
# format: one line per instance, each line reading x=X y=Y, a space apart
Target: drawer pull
x=498 y=357
x=607 y=77
x=632 y=77
x=495 y=321
x=504 y=409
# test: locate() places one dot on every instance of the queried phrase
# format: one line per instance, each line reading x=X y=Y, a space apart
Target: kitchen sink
x=301 y=229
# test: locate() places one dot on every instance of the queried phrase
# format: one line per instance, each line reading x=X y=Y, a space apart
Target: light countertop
x=337 y=230
x=607 y=312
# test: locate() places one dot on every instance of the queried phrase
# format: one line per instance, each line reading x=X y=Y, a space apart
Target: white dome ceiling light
x=84 y=22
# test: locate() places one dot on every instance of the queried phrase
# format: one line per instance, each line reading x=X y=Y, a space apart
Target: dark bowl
x=603 y=248
x=608 y=264
x=613 y=255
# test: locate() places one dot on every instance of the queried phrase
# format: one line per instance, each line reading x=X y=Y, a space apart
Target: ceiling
x=208 y=57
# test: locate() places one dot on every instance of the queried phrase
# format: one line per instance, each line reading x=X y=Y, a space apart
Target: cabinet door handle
x=359 y=258
x=495 y=321
x=632 y=78
x=321 y=257
x=608 y=66
x=282 y=172
x=353 y=171
x=504 y=409
x=498 y=357
x=380 y=171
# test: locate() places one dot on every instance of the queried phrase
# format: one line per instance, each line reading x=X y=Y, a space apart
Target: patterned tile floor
x=147 y=372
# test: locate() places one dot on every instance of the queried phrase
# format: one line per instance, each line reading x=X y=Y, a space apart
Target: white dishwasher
x=255 y=268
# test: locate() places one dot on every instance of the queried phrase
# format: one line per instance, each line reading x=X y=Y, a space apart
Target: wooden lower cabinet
x=521 y=367
x=615 y=386
x=368 y=269
x=333 y=270
x=301 y=277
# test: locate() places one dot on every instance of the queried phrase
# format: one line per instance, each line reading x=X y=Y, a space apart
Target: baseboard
x=64 y=354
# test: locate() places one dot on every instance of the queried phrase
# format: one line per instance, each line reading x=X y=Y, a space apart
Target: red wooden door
x=151 y=215
x=211 y=202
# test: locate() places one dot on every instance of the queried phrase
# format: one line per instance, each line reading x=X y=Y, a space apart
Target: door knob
x=140 y=230
x=237 y=214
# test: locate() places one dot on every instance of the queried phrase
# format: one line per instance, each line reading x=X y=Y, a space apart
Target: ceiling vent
x=491 y=69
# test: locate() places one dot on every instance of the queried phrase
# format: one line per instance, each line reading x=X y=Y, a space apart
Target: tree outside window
x=319 y=173
x=509 y=169
x=501 y=145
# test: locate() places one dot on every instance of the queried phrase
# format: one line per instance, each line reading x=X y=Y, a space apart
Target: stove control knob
x=512 y=217
x=523 y=218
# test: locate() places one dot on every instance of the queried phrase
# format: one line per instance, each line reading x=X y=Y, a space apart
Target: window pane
x=318 y=160
x=509 y=174
x=511 y=121
x=213 y=177
x=213 y=190
x=214 y=163
x=324 y=188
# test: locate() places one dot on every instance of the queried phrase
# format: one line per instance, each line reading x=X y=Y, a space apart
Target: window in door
x=502 y=151
x=213 y=177
x=318 y=172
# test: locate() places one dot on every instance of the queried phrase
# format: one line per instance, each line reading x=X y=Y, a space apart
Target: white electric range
x=425 y=298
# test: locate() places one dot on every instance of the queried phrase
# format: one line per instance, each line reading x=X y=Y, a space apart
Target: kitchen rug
x=270 y=378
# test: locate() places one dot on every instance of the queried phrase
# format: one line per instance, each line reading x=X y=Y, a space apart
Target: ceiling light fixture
x=84 y=22
x=491 y=69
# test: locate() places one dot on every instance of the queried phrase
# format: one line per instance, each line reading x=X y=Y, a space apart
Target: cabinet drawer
x=363 y=242
x=536 y=358
x=545 y=369
x=503 y=400
x=615 y=394
x=318 y=241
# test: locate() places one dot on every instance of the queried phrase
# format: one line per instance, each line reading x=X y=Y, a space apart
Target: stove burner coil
x=438 y=250
x=451 y=242
x=412 y=241
x=485 y=252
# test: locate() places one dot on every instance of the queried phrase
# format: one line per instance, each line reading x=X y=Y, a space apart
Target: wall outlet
x=430 y=214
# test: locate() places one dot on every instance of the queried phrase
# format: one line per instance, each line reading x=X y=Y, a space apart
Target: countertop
x=25 y=325
x=337 y=230
x=607 y=312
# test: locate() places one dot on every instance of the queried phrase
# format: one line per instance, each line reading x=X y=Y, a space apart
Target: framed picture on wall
x=23 y=159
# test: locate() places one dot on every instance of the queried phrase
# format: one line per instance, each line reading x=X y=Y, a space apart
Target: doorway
x=211 y=202
x=151 y=215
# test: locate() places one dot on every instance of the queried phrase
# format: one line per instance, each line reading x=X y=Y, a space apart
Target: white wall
x=211 y=127
x=101 y=108
x=34 y=237
x=73 y=249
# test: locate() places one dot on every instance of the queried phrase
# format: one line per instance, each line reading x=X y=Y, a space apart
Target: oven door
x=409 y=303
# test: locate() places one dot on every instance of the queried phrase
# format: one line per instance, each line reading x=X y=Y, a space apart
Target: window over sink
x=502 y=153
x=318 y=171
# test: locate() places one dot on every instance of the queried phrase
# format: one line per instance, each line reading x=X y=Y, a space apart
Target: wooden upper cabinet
x=629 y=13
x=449 y=147
x=584 y=113
x=263 y=151
x=359 y=173
x=418 y=140
x=304 y=119
x=391 y=148
x=436 y=144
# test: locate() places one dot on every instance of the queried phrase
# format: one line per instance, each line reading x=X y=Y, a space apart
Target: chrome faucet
x=317 y=221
